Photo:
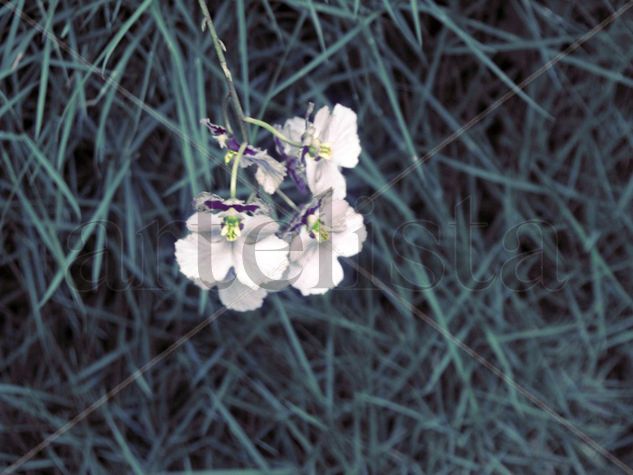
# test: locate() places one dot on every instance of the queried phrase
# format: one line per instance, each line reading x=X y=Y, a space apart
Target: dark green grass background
x=516 y=238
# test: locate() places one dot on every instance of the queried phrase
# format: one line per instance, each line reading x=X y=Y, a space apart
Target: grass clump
x=515 y=237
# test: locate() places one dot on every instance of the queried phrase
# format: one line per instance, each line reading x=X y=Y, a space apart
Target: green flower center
x=317 y=229
x=232 y=228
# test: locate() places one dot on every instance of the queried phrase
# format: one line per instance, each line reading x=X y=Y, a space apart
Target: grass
x=515 y=238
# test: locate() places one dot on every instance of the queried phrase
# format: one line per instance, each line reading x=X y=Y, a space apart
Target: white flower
x=325 y=230
x=232 y=245
x=329 y=143
x=270 y=173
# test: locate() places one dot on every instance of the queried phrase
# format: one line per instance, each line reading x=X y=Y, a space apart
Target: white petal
x=204 y=223
x=348 y=243
x=262 y=261
x=270 y=173
x=315 y=269
x=258 y=227
x=268 y=181
x=293 y=129
x=187 y=257
x=221 y=259
x=272 y=257
x=333 y=212
x=321 y=122
x=302 y=244
x=324 y=174
x=203 y=260
x=304 y=279
x=337 y=271
x=342 y=134
x=349 y=232
x=237 y=296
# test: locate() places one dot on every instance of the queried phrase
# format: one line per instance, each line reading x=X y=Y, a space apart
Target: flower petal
x=202 y=259
x=215 y=129
x=237 y=296
x=321 y=122
x=204 y=223
x=349 y=243
x=187 y=257
x=323 y=175
x=270 y=178
x=272 y=257
x=342 y=133
x=258 y=227
x=270 y=173
x=293 y=129
x=302 y=247
x=348 y=228
x=333 y=212
x=262 y=261
x=221 y=259
x=314 y=268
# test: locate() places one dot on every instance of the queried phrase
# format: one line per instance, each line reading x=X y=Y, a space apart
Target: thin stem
x=287 y=199
x=271 y=129
x=225 y=113
x=235 y=169
x=219 y=49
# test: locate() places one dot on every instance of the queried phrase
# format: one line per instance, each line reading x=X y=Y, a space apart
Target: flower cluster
x=240 y=248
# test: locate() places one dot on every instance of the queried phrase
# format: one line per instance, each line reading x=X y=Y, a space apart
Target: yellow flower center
x=230 y=155
x=318 y=149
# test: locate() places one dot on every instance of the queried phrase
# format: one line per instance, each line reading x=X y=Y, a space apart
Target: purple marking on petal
x=291 y=166
x=245 y=208
x=222 y=206
x=214 y=128
x=309 y=211
x=295 y=176
x=216 y=204
x=294 y=228
x=232 y=144
x=304 y=217
x=280 y=147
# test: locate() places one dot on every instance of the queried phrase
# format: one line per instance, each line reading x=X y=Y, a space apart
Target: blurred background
x=512 y=237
